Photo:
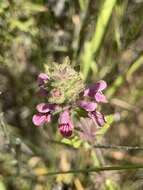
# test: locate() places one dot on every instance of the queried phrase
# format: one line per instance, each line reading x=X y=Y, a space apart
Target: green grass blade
x=92 y=47
x=134 y=66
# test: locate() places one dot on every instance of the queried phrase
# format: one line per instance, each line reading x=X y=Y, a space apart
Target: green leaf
x=76 y=142
x=104 y=129
x=67 y=141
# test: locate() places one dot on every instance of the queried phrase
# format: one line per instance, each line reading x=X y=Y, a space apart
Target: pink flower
x=45 y=107
x=88 y=106
x=39 y=119
x=97 y=117
x=42 y=79
x=95 y=91
x=65 y=124
x=44 y=114
x=43 y=91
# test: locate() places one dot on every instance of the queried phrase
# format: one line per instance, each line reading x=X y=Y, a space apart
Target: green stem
x=97 y=169
x=98 y=146
x=92 y=47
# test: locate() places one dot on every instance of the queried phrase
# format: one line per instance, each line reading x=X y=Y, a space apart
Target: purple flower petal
x=99 y=97
x=89 y=92
x=65 y=124
x=39 y=119
x=100 y=85
x=44 y=108
x=97 y=117
x=88 y=106
x=65 y=130
x=43 y=92
x=86 y=92
x=42 y=78
x=48 y=118
x=64 y=117
x=94 y=88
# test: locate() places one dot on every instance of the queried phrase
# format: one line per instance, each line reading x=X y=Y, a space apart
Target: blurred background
x=104 y=40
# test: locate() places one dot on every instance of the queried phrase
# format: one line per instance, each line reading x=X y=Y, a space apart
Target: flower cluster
x=95 y=95
x=64 y=92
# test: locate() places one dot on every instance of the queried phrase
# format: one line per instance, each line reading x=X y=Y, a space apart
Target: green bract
x=65 y=83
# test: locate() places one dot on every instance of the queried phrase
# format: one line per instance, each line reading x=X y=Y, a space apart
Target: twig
x=118 y=147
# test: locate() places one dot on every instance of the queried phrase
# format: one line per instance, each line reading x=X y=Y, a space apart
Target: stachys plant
x=65 y=93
